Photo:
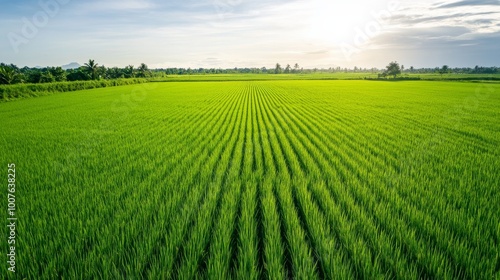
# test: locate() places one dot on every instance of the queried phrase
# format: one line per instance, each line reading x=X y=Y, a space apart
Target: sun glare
x=334 y=22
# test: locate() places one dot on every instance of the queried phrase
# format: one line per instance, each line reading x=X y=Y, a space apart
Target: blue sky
x=251 y=33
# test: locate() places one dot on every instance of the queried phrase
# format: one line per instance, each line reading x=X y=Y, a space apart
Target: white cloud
x=113 y=5
x=254 y=33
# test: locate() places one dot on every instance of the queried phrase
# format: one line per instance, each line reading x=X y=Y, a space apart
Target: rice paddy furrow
x=264 y=179
x=344 y=236
x=198 y=242
x=305 y=266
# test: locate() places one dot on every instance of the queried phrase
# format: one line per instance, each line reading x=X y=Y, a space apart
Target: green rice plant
x=307 y=177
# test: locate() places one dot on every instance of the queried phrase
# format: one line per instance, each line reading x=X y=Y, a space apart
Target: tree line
x=11 y=74
x=393 y=69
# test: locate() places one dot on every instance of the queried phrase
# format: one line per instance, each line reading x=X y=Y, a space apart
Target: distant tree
x=91 y=67
x=9 y=75
x=33 y=76
x=382 y=75
x=129 y=71
x=58 y=73
x=102 y=72
x=445 y=69
x=47 y=77
x=296 y=67
x=393 y=69
x=287 y=68
x=411 y=69
x=144 y=72
x=277 y=69
x=115 y=73
x=79 y=74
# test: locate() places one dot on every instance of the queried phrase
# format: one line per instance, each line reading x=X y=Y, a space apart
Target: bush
x=11 y=92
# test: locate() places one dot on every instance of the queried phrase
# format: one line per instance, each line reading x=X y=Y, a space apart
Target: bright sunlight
x=335 y=22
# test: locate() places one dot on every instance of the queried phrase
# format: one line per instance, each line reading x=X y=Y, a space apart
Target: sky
x=251 y=33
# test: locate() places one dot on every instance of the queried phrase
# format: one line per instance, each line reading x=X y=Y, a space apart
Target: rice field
x=257 y=180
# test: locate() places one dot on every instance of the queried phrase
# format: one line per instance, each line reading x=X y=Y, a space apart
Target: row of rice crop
x=258 y=180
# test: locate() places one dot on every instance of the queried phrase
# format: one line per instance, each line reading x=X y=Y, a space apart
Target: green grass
x=327 y=76
x=266 y=77
x=457 y=77
x=257 y=180
x=19 y=91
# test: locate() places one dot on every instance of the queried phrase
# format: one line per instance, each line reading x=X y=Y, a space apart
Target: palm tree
x=277 y=70
x=287 y=69
x=92 y=68
x=9 y=75
x=143 y=70
x=129 y=71
x=296 y=67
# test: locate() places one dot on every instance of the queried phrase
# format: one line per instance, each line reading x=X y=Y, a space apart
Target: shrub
x=11 y=92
